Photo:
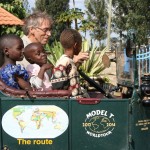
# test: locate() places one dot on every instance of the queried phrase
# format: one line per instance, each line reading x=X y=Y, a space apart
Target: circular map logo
x=99 y=123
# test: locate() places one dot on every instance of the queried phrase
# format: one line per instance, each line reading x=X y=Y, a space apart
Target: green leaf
x=55 y=51
x=94 y=65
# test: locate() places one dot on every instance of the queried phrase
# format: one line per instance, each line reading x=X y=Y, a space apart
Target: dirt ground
x=111 y=71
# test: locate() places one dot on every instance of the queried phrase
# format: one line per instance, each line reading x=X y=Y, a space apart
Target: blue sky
x=78 y=4
x=31 y=3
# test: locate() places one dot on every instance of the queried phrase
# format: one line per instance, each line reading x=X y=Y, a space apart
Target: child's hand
x=47 y=66
x=81 y=57
x=43 y=69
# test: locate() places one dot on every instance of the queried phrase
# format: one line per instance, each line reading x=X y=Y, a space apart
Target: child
x=13 y=75
x=65 y=75
x=38 y=67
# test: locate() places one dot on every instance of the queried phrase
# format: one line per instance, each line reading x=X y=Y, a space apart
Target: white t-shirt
x=35 y=81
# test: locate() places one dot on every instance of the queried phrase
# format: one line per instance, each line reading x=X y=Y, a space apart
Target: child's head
x=35 y=54
x=71 y=38
x=11 y=48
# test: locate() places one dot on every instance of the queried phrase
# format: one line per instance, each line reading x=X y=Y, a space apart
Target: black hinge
x=130 y=108
x=5 y=147
x=130 y=138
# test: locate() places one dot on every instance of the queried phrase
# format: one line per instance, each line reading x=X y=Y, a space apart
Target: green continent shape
x=18 y=111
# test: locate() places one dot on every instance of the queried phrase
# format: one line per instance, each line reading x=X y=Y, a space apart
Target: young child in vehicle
x=65 y=75
x=11 y=50
x=38 y=67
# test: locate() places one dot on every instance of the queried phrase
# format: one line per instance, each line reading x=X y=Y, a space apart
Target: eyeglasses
x=45 y=30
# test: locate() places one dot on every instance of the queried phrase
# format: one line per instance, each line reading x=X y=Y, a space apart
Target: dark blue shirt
x=7 y=75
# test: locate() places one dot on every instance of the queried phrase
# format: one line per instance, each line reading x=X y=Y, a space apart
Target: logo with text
x=99 y=123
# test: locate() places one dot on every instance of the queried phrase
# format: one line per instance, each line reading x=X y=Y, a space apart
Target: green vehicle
x=51 y=121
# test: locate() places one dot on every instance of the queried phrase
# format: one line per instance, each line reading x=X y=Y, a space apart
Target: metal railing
x=143 y=60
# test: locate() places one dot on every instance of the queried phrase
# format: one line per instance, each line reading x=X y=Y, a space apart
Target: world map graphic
x=99 y=123
x=37 y=121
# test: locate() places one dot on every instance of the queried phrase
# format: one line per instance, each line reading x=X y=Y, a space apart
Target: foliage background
x=127 y=15
x=16 y=7
x=133 y=14
x=54 y=8
x=97 y=13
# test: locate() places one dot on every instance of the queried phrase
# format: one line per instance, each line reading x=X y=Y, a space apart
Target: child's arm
x=78 y=59
x=22 y=83
x=37 y=74
x=60 y=78
x=43 y=70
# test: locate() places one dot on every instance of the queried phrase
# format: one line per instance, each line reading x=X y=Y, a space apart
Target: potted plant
x=91 y=67
x=96 y=63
